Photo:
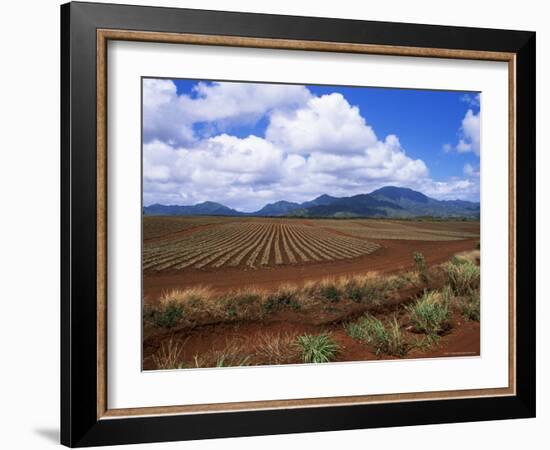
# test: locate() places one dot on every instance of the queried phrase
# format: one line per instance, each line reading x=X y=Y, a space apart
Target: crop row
x=252 y=245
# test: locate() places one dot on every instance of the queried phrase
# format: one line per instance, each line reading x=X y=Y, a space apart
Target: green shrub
x=429 y=314
x=168 y=316
x=330 y=292
x=470 y=307
x=284 y=297
x=398 y=282
x=455 y=260
x=385 y=338
x=319 y=348
x=463 y=277
x=420 y=265
x=356 y=331
x=353 y=291
x=365 y=290
x=241 y=304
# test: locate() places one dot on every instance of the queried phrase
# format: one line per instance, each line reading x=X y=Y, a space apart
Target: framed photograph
x=276 y=224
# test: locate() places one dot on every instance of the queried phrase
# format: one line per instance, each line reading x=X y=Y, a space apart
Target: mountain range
x=389 y=201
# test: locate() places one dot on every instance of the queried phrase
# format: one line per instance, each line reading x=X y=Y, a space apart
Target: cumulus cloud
x=326 y=124
x=162 y=118
x=469 y=135
x=470 y=131
x=246 y=173
x=170 y=117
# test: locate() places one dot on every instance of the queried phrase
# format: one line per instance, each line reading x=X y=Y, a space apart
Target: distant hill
x=284 y=208
x=389 y=201
x=362 y=205
x=281 y=208
x=319 y=201
x=200 y=209
x=399 y=195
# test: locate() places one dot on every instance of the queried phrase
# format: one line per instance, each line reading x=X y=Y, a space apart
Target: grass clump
x=330 y=292
x=420 y=266
x=284 y=297
x=168 y=316
x=356 y=331
x=385 y=338
x=242 y=304
x=469 y=307
x=234 y=354
x=277 y=348
x=202 y=305
x=168 y=355
x=354 y=291
x=463 y=276
x=369 y=288
x=430 y=314
x=319 y=348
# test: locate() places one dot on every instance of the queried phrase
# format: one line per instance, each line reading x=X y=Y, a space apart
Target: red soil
x=462 y=339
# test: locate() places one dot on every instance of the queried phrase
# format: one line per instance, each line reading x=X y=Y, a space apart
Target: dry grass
x=279 y=348
x=472 y=256
x=463 y=276
x=266 y=348
x=168 y=355
x=469 y=307
x=386 y=338
x=202 y=305
x=235 y=353
x=430 y=314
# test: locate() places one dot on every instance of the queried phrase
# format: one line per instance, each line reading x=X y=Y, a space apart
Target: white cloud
x=169 y=117
x=382 y=161
x=469 y=135
x=470 y=170
x=472 y=99
x=326 y=124
x=162 y=119
x=471 y=132
x=242 y=101
x=453 y=189
x=247 y=173
x=215 y=169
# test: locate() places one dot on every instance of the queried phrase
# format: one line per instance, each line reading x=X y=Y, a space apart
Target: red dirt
x=180 y=233
x=463 y=339
x=393 y=256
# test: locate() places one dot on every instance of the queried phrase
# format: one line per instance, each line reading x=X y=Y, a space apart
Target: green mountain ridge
x=389 y=201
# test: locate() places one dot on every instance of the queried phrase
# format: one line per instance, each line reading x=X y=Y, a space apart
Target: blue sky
x=247 y=144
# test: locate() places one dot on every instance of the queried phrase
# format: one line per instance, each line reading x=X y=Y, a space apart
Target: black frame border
x=79 y=424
